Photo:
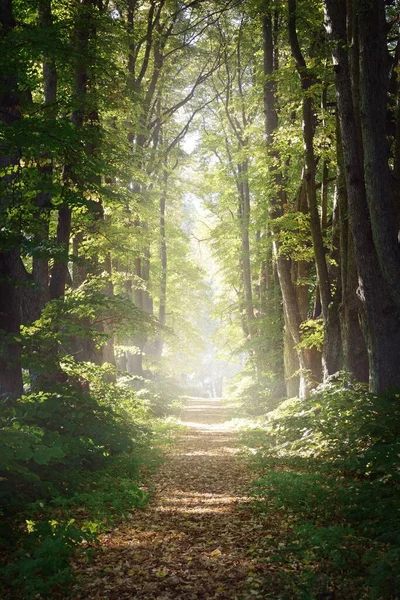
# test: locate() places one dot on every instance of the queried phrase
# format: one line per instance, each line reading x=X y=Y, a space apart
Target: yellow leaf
x=216 y=552
x=162 y=573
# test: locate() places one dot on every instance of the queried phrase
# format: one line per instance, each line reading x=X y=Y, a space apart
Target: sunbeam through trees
x=199 y=251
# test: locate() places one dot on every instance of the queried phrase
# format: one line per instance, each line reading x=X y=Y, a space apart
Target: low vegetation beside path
x=327 y=472
x=73 y=462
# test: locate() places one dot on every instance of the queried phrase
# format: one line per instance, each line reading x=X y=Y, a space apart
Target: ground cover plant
x=329 y=468
x=73 y=461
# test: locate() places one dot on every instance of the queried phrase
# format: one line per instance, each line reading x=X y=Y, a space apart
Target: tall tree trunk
x=289 y=294
x=310 y=161
x=163 y=261
x=374 y=80
x=40 y=263
x=381 y=314
x=355 y=357
x=60 y=272
x=244 y=217
x=10 y=354
x=10 y=296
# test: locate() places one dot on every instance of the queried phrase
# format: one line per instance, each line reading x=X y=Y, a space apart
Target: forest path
x=195 y=539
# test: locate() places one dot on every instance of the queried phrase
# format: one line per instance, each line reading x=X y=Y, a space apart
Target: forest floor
x=197 y=538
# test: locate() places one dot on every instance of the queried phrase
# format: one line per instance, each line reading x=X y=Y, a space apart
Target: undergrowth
x=72 y=463
x=328 y=473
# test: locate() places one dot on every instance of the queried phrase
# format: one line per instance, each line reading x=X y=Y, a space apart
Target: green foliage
x=293 y=232
x=312 y=334
x=93 y=502
x=161 y=397
x=72 y=452
x=41 y=564
x=329 y=466
x=254 y=395
x=366 y=429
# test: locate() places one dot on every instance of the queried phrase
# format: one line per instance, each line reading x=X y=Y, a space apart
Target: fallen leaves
x=195 y=539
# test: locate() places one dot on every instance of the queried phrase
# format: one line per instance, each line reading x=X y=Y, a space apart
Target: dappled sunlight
x=195 y=533
x=190 y=509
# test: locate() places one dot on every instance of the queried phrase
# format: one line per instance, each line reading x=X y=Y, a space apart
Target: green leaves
x=43 y=455
x=329 y=466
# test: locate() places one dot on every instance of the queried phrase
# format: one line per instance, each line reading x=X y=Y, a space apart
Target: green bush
x=341 y=424
x=41 y=564
x=329 y=466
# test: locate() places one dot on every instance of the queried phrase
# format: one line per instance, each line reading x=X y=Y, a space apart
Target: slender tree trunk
x=163 y=260
x=244 y=216
x=10 y=296
x=40 y=264
x=290 y=298
x=291 y=361
x=60 y=272
x=310 y=161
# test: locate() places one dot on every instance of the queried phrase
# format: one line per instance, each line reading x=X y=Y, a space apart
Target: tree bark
x=310 y=161
x=60 y=272
x=10 y=286
x=374 y=81
x=381 y=314
x=290 y=298
x=10 y=352
x=40 y=263
x=164 y=262
x=355 y=356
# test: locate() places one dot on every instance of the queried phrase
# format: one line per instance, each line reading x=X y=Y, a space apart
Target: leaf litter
x=196 y=539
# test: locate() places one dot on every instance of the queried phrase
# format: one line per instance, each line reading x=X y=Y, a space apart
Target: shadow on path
x=195 y=539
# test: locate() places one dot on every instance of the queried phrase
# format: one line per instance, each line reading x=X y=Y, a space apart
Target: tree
x=362 y=105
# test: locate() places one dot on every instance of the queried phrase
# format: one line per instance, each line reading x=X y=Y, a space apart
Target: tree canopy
x=193 y=194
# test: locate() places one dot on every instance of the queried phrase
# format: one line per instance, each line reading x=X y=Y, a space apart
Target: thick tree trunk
x=374 y=80
x=292 y=313
x=355 y=356
x=381 y=314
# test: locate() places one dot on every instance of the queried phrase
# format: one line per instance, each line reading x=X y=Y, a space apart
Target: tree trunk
x=355 y=356
x=10 y=296
x=163 y=260
x=290 y=298
x=60 y=273
x=374 y=80
x=310 y=161
x=381 y=315
x=244 y=217
x=10 y=354
x=291 y=361
x=40 y=263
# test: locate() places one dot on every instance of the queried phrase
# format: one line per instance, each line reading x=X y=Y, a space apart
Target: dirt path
x=195 y=539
